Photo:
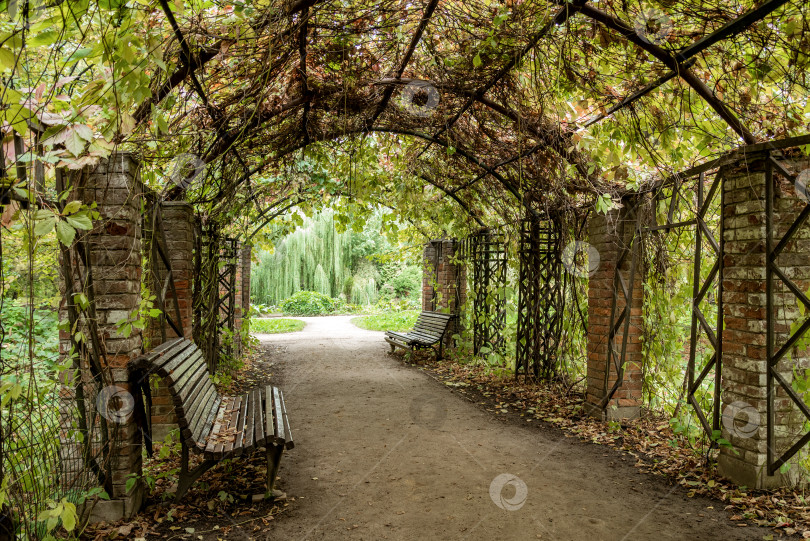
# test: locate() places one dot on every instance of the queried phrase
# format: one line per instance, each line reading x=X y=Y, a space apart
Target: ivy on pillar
x=113 y=249
x=444 y=281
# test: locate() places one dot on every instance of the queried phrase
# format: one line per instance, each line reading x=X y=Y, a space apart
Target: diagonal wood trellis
x=226 y=298
x=540 y=299
x=775 y=275
x=162 y=276
x=206 y=292
x=707 y=291
x=486 y=252
x=629 y=255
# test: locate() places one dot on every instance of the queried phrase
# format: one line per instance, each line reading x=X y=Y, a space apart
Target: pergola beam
x=415 y=39
x=629 y=33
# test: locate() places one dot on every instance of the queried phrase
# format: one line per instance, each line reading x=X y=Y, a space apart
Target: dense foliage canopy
x=492 y=106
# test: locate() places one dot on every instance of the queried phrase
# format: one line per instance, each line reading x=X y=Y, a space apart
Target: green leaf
x=131 y=481
x=65 y=233
x=7 y=59
x=80 y=221
x=45 y=38
x=477 y=61
x=43 y=227
x=72 y=207
x=83 y=52
x=68 y=516
x=84 y=132
x=74 y=142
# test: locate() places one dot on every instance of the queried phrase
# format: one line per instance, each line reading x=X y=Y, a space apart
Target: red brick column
x=237 y=308
x=178 y=225
x=744 y=383
x=444 y=283
x=608 y=234
x=114 y=246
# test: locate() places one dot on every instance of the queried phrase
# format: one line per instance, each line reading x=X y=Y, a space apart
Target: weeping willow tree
x=315 y=257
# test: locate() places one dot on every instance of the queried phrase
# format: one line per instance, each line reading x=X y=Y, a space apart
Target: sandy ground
x=382 y=451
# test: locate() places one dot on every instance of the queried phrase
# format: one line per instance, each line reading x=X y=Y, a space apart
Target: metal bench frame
x=206 y=419
x=429 y=330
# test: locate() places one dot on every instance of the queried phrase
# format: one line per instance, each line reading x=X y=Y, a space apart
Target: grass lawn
x=275 y=325
x=391 y=321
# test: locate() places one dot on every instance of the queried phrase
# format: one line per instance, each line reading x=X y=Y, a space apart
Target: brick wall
x=605 y=236
x=744 y=394
x=444 y=284
x=178 y=225
x=114 y=246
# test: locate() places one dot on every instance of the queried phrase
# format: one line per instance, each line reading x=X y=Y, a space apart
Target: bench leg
x=187 y=477
x=273 y=460
x=393 y=347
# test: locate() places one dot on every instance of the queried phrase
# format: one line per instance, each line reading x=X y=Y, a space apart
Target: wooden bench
x=428 y=331
x=217 y=427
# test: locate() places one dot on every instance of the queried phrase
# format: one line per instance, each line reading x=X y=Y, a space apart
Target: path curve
x=383 y=451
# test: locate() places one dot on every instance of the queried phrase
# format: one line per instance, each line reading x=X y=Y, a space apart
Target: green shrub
x=307 y=303
x=408 y=282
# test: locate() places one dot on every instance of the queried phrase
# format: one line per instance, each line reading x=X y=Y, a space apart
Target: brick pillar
x=449 y=279
x=178 y=225
x=608 y=234
x=237 y=305
x=114 y=247
x=429 y=265
x=744 y=380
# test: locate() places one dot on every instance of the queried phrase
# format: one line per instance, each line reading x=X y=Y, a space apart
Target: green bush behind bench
x=389 y=321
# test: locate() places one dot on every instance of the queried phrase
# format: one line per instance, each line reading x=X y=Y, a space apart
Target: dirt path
x=385 y=452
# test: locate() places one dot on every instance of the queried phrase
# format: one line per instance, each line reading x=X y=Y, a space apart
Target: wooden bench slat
x=202 y=413
x=281 y=435
x=240 y=427
x=172 y=369
x=228 y=444
x=258 y=420
x=211 y=444
x=183 y=390
x=247 y=439
x=288 y=441
x=269 y=415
